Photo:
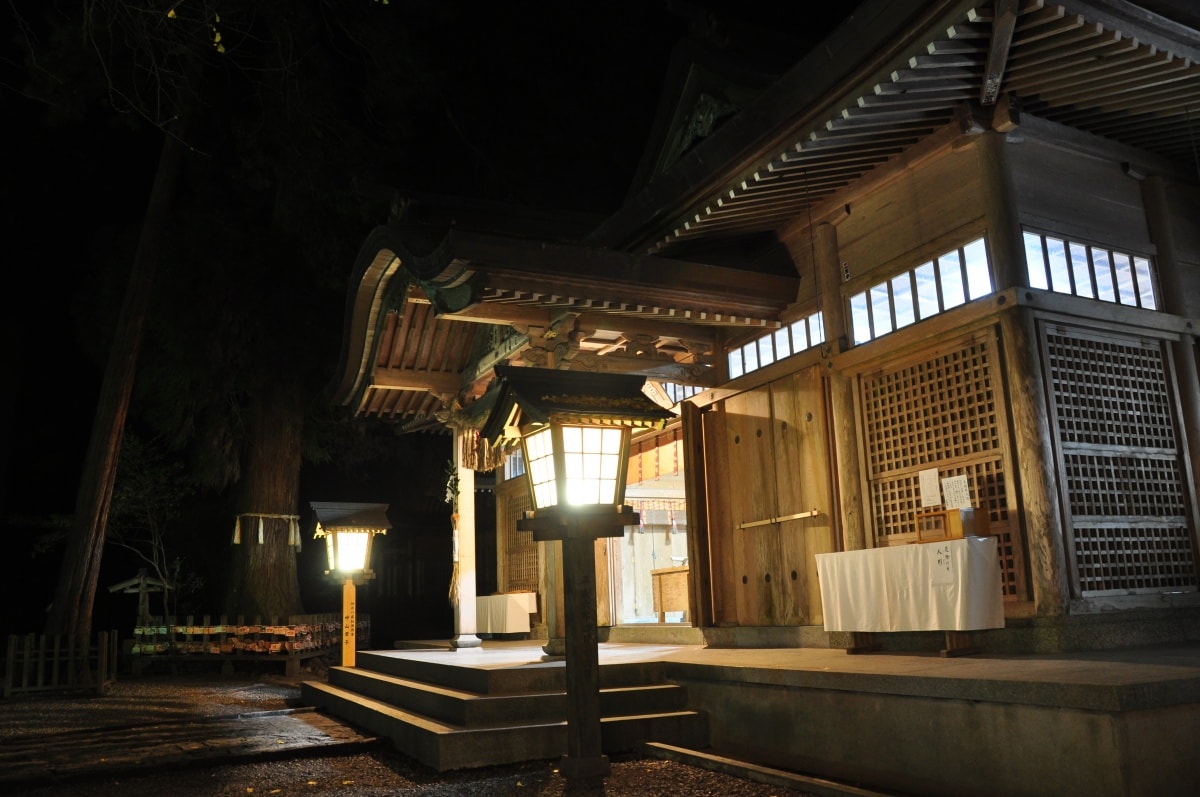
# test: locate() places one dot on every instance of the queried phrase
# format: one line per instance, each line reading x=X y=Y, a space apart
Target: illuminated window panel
x=1093 y=272
x=979 y=276
x=1081 y=270
x=923 y=291
x=778 y=345
x=592 y=459
x=950 y=274
x=541 y=468
x=902 y=297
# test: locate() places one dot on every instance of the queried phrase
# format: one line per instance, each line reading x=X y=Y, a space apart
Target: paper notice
x=931 y=492
x=956 y=493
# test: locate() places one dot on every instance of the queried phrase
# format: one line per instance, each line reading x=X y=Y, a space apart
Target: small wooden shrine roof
x=544 y=395
x=362 y=517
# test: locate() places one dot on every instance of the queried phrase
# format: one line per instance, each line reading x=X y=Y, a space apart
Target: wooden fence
x=42 y=663
x=174 y=641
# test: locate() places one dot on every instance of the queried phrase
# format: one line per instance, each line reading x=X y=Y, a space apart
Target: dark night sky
x=549 y=88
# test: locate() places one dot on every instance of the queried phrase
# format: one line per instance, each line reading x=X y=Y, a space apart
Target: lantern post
x=348 y=530
x=574 y=430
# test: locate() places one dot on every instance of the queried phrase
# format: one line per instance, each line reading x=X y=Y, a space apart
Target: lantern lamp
x=348 y=529
x=574 y=430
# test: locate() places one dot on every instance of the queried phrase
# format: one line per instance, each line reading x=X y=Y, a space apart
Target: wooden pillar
x=465 y=609
x=552 y=592
x=1037 y=470
x=719 y=518
x=1037 y=474
x=704 y=588
x=851 y=519
x=584 y=759
x=349 y=622
x=1183 y=352
x=1006 y=248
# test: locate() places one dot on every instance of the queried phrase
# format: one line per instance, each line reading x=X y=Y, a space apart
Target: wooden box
x=670 y=586
x=952 y=524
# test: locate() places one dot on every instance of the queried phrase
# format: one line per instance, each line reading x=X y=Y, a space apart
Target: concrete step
x=470 y=709
x=445 y=745
x=534 y=675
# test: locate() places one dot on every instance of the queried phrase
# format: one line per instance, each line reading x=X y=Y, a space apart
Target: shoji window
x=956 y=277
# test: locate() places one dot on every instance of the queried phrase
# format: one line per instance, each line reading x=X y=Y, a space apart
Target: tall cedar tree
x=271 y=145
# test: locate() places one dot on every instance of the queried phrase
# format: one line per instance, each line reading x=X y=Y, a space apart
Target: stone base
x=584 y=768
x=465 y=641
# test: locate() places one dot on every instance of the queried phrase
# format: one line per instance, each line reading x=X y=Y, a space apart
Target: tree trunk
x=265 y=581
x=75 y=594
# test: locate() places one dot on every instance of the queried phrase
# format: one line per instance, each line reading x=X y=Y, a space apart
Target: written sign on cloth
x=947 y=586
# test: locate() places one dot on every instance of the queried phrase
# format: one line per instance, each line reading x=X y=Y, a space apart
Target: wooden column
x=552 y=592
x=349 y=622
x=719 y=519
x=584 y=759
x=1005 y=245
x=1037 y=473
x=465 y=611
x=704 y=588
x=1183 y=352
x=850 y=520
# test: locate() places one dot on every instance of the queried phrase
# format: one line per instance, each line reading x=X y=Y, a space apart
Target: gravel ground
x=379 y=770
x=385 y=772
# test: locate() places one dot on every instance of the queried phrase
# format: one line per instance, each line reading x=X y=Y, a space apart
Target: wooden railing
x=42 y=663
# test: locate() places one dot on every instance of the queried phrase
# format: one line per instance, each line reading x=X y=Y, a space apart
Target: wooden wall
x=1184 y=202
x=907 y=218
x=1078 y=195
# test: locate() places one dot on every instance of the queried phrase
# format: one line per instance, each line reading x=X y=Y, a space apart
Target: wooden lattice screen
x=517 y=549
x=942 y=409
x=1123 y=469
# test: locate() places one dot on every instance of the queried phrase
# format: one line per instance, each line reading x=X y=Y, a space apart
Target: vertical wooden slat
x=72 y=657
x=57 y=656
x=102 y=662
x=752 y=497
x=27 y=662
x=720 y=521
x=41 y=659
x=10 y=663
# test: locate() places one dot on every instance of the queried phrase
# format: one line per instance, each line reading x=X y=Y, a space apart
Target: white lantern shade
x=352 y=547
x=576 y=464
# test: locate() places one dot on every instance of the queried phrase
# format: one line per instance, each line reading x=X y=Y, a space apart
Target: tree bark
x=75 y=593
x=264 y=579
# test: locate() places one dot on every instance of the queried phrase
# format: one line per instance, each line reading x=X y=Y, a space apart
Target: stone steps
x=457 y=717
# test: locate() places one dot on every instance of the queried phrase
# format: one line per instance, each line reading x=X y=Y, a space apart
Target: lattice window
x=518 y=550
x=942 y=412
x=1110 y=392
x=941 y=409
x=1123 y=471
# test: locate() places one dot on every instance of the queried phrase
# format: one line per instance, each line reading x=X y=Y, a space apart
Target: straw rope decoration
x=452 y=500
x=293 y=527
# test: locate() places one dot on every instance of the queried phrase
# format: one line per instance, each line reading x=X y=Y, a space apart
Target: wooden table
x=504 y=614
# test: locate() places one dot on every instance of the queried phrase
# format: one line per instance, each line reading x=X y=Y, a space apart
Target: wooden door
x=802 y=476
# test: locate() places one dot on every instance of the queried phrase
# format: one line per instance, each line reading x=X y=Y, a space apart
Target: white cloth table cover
x=504 y=614
x=943 y=586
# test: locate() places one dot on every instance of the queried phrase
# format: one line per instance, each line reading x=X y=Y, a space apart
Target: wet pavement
x=158 y=722
x=227 y=736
